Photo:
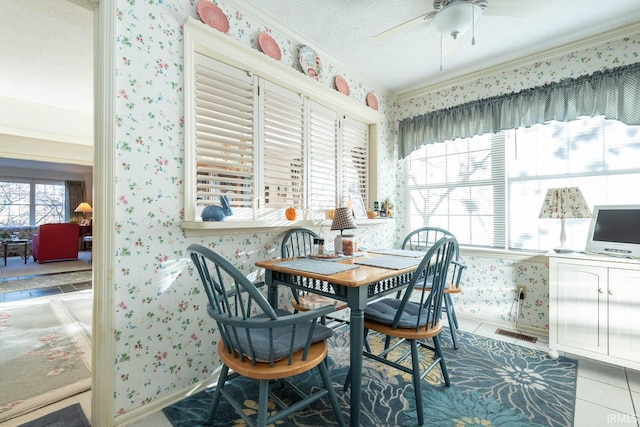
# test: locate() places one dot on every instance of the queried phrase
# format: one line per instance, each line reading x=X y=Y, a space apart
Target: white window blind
x=355 y=161
x=599 y=156
x=224 y=98
x=456 y=186
x=283 y=148
x=323 y=162
x=488 y=190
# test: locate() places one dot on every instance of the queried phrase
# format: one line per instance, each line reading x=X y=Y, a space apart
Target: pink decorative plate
x=269 y=46
x=342 y=85
x=372 y=101
x=213 y=16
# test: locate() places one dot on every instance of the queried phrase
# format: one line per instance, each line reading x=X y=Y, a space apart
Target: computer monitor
x=615 y=230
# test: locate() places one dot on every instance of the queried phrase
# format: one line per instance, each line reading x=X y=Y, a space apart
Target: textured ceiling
x=46 y=53
x=411 y=59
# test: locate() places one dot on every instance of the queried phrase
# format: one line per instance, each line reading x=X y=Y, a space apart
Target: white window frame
x=202 y=39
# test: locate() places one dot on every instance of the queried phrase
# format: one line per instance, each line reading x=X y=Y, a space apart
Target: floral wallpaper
x=165 y=341
x=489 y=291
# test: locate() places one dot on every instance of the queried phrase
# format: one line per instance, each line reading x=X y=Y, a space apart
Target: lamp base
x=337 y=244
x=563 y=250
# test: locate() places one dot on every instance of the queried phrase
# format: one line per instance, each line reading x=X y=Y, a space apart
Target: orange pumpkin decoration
x=290 y=213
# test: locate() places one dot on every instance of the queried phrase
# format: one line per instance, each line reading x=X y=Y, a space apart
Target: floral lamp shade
x=567 y=202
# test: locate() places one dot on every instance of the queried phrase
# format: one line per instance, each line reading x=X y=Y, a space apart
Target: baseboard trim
x=142 y=412
x=540 y=333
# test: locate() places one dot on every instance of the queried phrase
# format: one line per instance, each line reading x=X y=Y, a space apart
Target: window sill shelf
x=196 y=228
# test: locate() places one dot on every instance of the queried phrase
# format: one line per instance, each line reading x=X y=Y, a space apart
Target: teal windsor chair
x=271 y=345
x=406 y=321
x=420 y=240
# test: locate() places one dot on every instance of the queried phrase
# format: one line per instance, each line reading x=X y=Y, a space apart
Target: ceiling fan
x=452 y=18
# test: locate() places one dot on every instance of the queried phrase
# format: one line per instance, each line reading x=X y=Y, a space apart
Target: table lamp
x=563 y=203
x=342 y=220
x=84 y=207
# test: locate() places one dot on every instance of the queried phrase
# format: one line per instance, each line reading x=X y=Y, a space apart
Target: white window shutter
x=323 y=162
x=224 y=134
x=283 y=148
x=355 y=159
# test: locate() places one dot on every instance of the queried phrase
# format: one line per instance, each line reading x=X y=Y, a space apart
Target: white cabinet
x=594 y=307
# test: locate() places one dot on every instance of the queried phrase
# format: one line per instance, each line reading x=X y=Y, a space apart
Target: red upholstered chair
x=55 y=242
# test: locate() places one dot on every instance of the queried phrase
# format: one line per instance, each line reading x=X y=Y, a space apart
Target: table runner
x=317 y=266
x=399 y=252
x=391 y=262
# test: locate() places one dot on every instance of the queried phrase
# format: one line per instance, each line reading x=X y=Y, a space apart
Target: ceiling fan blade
x=404 y=26
x=518 y=8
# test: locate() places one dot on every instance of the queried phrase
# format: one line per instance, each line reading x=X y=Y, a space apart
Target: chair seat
x=282 y=338
x=451 y=289
x=384 y=312
x=312 y=301
x=281 y=368
x=407 y=333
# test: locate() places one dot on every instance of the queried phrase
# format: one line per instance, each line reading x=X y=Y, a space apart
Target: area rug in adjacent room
x=46 y=351
x=492 y=383
x=16 y=267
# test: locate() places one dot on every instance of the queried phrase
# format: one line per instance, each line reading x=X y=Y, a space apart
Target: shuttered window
x=268 y=148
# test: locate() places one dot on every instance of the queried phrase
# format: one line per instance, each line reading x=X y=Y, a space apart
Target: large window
x=488 y=189
x=31 y=203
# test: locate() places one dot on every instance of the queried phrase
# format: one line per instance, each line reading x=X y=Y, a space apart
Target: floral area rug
x=46 y=351
x=493 y=383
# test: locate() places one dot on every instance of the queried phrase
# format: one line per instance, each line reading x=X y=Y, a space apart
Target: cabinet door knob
x=610 y=292
x=600 y=291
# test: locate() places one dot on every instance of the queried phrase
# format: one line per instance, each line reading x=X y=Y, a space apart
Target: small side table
x=8 y=243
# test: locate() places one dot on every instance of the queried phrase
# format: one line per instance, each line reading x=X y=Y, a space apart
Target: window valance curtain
x=613 y=93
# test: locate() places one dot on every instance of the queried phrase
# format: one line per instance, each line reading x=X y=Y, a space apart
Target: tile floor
x=607 y=395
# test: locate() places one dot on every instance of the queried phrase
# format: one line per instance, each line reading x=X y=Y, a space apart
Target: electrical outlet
x=522 y=292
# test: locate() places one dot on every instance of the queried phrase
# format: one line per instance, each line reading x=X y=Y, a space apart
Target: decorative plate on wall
x=372 y=101
x=310 y=62
x=269 y=46
x=213 y=16
x=342 y=85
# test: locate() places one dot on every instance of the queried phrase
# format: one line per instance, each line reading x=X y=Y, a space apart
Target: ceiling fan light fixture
x=456 y=18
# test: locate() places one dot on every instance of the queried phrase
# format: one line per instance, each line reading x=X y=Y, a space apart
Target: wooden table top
x=361 y=276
